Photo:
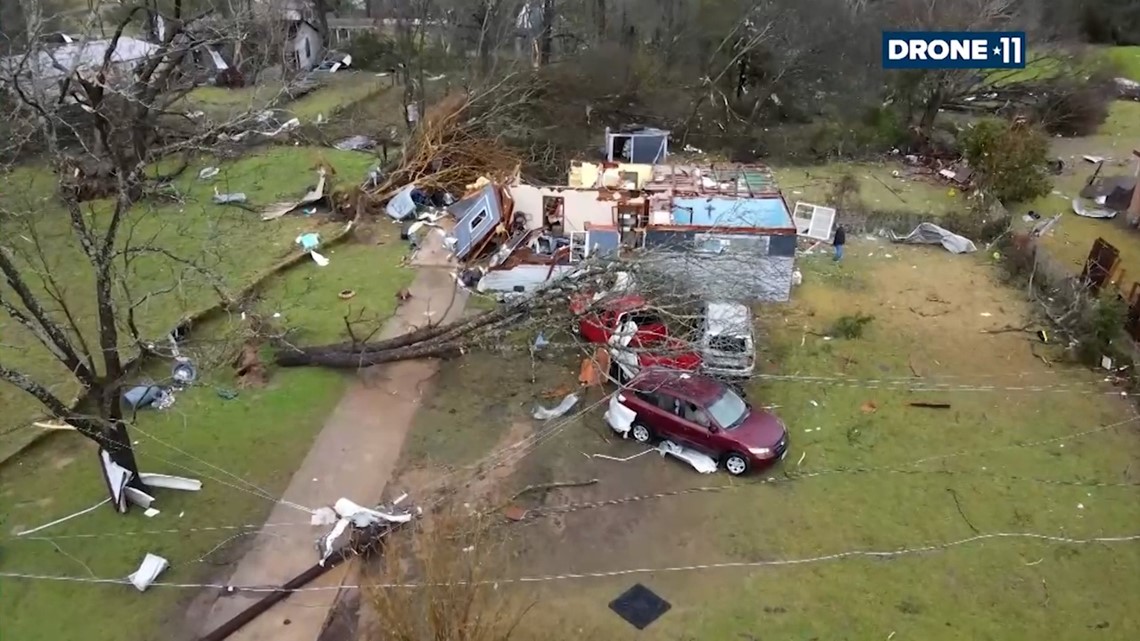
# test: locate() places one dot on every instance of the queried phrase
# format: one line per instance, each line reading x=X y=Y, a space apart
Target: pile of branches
x=456 y=144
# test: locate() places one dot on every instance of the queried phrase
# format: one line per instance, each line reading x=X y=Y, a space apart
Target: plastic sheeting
x=931 y=234
x=543 y=414
x=1096 y=212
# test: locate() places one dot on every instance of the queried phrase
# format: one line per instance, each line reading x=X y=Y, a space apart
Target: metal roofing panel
x=739 y=213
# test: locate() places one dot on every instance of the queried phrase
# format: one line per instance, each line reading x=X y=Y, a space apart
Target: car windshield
x=729 y=410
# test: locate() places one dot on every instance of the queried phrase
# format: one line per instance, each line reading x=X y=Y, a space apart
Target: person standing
x=839 y=242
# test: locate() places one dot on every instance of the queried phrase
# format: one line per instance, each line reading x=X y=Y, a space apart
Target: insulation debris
x=152 y=565
x=543 y=414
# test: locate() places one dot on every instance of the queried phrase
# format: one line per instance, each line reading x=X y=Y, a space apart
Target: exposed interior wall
x=586 y=175
x=581 y=207
x=307 y=45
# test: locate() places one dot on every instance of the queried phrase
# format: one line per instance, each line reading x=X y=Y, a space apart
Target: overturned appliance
x=1113 y=193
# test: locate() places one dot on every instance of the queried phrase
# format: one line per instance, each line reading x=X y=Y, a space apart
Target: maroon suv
x=701 y=413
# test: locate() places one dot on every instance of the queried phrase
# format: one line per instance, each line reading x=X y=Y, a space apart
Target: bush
x=851 y=327
x=372 y=52
x=1076 y=108
x=1010 y=159
x=1100 y=325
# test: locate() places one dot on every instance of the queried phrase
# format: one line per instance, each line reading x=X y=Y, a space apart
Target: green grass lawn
x=229 y=242
x=1128 y=59
x=339 y=90
x=879 y=189
x=1074 y=236
x=992 y=468
x=259 y=436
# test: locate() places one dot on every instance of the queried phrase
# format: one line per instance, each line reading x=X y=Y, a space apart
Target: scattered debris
x=150 y=513
x=869 y=407
x=66 y=518
x=404 y=295
x=552 y=486
x=356 y=143
x=621 y=459
x=543 y=414
x=228 y=199
x=701 y=462
x=931 y=234
x=1096 y=212
x=359 y=517
x=1106 y=362
x=933 y=406
x=1096 y=160
x=317 y=193
x=208 y=172
x=309 y=243
x=515 y=512
x=152 y=565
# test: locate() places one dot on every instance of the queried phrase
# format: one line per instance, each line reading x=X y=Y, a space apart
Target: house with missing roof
x=721 y=229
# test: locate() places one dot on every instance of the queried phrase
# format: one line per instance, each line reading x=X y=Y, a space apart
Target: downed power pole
x=367 y=538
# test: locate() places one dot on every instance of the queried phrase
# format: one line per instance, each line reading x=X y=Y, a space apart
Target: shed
x=637 y=145
x=740 y=249
x=476 y=217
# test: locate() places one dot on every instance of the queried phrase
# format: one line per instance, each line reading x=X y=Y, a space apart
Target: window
x=308 y=50
x=696 y=415
x=729 y=410
x=478 y=219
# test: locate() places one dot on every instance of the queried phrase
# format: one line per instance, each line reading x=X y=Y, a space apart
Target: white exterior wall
x=581 y=206
x=307 y=59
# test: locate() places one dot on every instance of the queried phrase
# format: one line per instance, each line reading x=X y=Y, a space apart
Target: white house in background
x=303 y=45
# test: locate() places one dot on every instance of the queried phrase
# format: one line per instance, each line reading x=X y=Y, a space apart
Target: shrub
x=851 y=327
x=1076 y=108
x=1010 y=159
x=372 y=52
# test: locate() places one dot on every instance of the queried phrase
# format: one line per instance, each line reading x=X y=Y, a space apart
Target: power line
x=837 y=556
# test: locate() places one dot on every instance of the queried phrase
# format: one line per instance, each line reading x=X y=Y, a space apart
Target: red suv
x=701 y=413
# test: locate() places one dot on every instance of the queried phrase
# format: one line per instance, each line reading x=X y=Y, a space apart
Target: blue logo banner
x=954 y=50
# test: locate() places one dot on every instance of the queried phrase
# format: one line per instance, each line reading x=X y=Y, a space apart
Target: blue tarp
x=768 y=213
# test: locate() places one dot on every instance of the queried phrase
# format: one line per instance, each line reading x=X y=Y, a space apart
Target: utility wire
x=837 y=556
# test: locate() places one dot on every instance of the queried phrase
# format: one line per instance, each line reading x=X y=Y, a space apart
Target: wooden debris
x=932 y=406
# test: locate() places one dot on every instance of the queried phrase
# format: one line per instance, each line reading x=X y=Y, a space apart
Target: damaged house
x=724 y=229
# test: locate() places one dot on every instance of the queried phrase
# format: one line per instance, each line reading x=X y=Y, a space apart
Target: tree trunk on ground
x=357 y=360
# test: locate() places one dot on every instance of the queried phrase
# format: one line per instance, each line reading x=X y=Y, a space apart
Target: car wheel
x=736 y=464
x=640 y=433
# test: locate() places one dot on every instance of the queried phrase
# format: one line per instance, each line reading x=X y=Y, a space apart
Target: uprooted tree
x=76 y=238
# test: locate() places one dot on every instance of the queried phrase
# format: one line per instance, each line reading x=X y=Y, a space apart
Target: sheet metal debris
x=356 y=516
x=931 y=234
x=1096 y=212
x=273 y=212
x=700 y=462
x=543 y=414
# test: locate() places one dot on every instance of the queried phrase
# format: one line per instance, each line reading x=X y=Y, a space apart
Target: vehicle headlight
x=759 y=451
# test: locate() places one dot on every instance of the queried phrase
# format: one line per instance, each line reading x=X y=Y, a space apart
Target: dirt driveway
x=353 y=457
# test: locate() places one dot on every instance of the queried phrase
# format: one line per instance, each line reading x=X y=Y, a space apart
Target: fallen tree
x=448 y=340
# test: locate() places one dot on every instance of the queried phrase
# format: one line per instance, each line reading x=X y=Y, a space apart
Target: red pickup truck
x=598 y=322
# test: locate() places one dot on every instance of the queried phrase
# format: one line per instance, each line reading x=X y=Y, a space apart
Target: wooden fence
x=1103 y=267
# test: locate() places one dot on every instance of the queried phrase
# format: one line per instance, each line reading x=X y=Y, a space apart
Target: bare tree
x=102 y=118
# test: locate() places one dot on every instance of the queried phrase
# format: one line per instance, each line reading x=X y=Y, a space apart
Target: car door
x=696 y=423
x=658 y=411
